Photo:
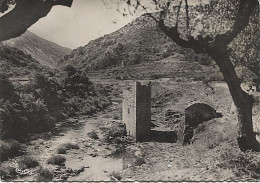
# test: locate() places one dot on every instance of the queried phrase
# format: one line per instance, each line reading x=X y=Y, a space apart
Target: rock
x=93 y=154
x=138 y=153
x=64 y=177
x=69 y=170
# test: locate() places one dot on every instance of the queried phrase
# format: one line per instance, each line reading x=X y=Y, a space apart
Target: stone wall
x=137 y=110
x=143 y=110
x=129 y=110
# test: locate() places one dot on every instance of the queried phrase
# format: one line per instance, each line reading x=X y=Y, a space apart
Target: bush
x=9 y=149
x=27 y=162
x=44 y=175
x=93 y=135
x=7 y=172
x=62 y=149
x=56 y=160
x=117 y=130
x=115 y=176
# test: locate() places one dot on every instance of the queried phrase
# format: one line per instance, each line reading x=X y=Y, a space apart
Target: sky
x=84 y=21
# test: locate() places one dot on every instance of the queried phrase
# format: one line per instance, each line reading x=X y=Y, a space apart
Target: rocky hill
x=44 y=51
x=138 y=41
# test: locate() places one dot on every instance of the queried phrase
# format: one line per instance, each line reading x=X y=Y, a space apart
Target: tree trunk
x=243 y=101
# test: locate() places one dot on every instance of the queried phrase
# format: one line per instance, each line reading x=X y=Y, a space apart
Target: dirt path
x=92 y=154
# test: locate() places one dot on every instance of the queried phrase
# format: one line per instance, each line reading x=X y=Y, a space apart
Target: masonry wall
x=137 y=110
x=129 y=110
x=143 y=110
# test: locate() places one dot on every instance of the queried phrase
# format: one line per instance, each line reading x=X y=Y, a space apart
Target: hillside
x=138 y=41
x=15 y=63
x=44 y=51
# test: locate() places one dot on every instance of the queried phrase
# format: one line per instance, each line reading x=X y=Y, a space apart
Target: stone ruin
x=137 y=110
x=137 y=116
x=185 y=121
x=196 y=114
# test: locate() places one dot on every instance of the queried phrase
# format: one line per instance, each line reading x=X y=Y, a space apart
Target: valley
x=212 y=156
x=132 y=105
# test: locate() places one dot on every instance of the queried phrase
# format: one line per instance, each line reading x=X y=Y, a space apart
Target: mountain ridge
x=44 y=51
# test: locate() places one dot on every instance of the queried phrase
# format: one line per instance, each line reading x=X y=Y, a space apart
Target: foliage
x=27 y=162
x=80 y=94
x=138 y=42
x=15 y=63
x=7 y=172
x=9 y=149
x=56 y=160
x=44 y=175
x=36 y=106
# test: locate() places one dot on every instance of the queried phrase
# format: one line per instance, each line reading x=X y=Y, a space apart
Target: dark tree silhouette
x=24 y=14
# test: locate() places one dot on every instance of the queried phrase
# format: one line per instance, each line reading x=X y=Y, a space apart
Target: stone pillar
x=137 y=110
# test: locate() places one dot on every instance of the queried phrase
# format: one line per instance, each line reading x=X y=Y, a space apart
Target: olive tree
x=228 y=31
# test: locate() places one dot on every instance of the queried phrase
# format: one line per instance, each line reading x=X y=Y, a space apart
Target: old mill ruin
x=137 y=116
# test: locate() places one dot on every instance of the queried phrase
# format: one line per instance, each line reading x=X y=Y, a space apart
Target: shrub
x=9 y=149
x=44 y=175
x=115 y=175
x=7 y=172
x=62 y=149
x=93 y=135
x=27 y=162
x=56 y=160
x=117 y=130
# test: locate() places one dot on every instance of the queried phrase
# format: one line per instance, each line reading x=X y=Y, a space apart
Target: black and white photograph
x=129 y=90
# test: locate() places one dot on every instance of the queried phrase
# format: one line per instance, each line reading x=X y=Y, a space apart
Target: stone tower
x=137 y=110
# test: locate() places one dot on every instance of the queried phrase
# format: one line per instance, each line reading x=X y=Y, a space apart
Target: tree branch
x=246 y=7
x=25 y=14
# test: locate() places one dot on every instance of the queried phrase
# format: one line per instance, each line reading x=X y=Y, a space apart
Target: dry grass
x=27 y=162
x=44 y=175
x=56 y=160
x=63 y=148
